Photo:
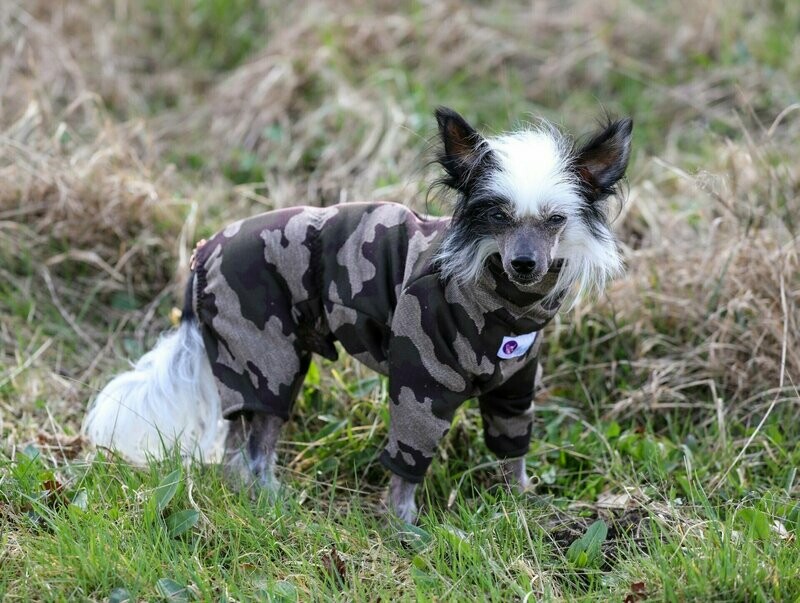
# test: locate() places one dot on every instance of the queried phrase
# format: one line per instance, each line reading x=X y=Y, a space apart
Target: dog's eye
x=556 y=219
x=498 y=216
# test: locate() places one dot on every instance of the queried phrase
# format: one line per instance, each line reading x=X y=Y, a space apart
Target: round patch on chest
x=516 y=345
x=509 y=347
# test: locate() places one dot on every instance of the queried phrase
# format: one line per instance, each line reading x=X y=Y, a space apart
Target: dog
x=449 y=308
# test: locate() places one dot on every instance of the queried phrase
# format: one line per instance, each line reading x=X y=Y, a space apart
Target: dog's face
x=530 y=198
x=527 y=245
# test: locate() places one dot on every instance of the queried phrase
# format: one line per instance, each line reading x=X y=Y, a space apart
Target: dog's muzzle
x=525 y=270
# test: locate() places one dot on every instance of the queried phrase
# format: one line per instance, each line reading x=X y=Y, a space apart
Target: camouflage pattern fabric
x=272 y=289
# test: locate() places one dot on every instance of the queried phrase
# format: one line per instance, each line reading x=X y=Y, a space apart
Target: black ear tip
x=625 y=126
x=444 y=114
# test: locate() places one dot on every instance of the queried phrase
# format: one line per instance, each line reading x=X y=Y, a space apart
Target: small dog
x=448 y=308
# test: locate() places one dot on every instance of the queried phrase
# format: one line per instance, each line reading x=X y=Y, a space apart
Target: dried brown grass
x=316 y=51
x=336 y=107
x=86 y=213
x=60 y=54
x=99 y=199
x=712 y=295
x=81 y=224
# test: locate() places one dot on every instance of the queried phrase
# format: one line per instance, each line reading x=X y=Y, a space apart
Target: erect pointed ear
x=602 y=161
x=462 y=147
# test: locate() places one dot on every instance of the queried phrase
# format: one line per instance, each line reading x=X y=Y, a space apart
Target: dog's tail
x=169 y=399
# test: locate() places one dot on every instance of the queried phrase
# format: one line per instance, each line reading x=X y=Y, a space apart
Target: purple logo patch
x=509 y=347
x=516 y=345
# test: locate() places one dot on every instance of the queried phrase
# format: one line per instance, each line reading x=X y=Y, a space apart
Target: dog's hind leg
x=251 y=450
x=235 y=464
x=262 y=448
x=401 y=498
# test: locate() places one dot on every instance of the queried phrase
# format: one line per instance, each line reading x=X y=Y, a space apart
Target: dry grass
x=712 y=295
x=335 y=107
x=85 y=228
x=87 y=215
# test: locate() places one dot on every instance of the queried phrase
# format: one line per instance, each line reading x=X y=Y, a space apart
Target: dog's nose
x=523 y=264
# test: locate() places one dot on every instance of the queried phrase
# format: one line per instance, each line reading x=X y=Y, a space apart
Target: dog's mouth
x=524 y=279
x=517 y=278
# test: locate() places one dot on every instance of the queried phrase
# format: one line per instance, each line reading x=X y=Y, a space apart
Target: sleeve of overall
x=426 y=383
x=507 y=413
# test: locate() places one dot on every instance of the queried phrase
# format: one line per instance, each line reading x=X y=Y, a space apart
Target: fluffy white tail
x=168 y=399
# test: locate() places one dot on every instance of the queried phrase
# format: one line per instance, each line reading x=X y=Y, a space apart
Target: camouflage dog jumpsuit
x=270 y=290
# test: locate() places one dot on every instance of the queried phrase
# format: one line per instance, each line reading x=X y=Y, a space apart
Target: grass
x=668 y=537
x=668 y=410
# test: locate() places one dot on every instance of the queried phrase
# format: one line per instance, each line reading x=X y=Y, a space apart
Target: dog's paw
x=397 y=514
x=521 y=486
x=406 y=513
x=401 y=499
x=242 y=473
x=236 y=470
x=267 y=487
x=515 y=476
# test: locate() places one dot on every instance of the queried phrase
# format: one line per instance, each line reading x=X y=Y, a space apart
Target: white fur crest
x=533 y=172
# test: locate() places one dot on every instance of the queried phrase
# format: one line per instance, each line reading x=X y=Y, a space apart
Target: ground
x=666 y=447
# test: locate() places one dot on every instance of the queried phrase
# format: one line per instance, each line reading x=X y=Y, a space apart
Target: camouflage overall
x=272 y=289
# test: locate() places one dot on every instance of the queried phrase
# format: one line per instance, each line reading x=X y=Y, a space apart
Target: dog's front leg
x=251 y=449
x=515 y=474
x=401 y=498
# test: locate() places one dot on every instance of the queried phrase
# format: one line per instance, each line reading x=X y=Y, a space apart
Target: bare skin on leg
x=401 y=498
x=234 y=462
x=251 y=449
x=515 y=474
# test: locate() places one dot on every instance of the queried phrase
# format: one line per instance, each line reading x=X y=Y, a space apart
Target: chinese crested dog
x=448 y=308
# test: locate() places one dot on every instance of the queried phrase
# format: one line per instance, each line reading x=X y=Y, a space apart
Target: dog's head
x=532 y=197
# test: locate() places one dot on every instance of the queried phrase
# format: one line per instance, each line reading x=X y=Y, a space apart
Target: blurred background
x=129 y=129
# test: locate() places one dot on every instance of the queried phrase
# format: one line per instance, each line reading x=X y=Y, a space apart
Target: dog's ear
x=462 y=148
x=602 y=160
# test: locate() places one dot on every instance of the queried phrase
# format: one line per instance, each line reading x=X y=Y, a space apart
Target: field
x=666 y=445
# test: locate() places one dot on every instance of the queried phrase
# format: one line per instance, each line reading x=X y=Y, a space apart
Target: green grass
x=215 y=35
x=81 y=529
